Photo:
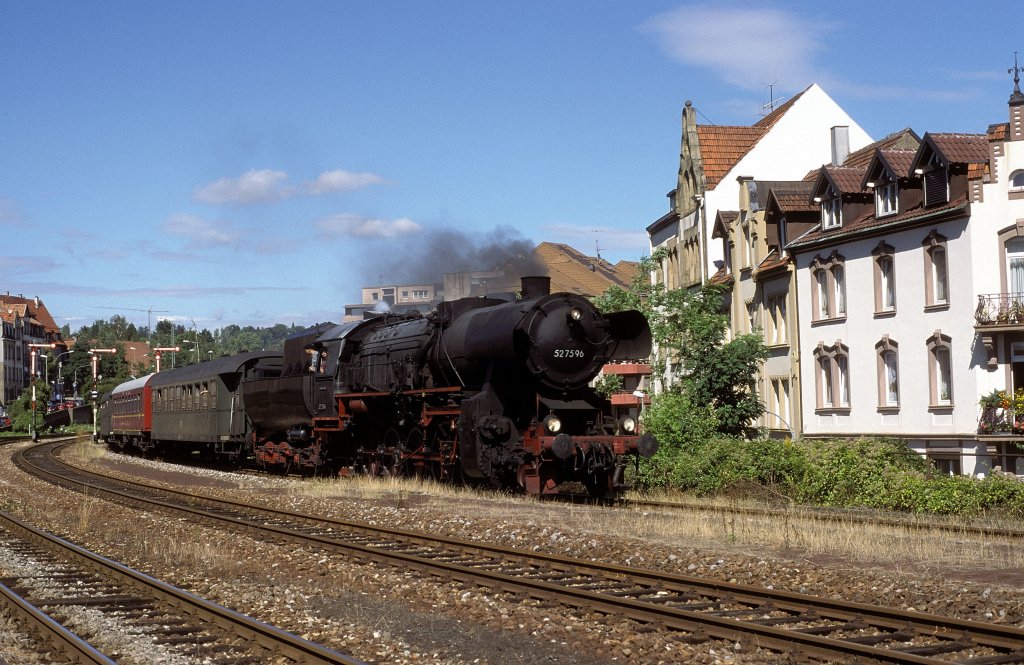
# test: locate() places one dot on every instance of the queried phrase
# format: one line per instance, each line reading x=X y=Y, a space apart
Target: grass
x=793 y=531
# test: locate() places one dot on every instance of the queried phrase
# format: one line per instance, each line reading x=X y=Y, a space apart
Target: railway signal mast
x=95 y=353
x=161 y=349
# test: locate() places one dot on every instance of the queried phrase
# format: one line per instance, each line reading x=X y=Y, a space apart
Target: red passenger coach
x=131 y=413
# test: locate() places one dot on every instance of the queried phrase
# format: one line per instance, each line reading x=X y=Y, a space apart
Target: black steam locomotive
x=481 y=390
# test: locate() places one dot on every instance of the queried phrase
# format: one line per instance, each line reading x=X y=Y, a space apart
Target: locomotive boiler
x=482 y=389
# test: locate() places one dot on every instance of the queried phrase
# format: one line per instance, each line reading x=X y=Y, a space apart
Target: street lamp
x=95 y=353
x=33 y=347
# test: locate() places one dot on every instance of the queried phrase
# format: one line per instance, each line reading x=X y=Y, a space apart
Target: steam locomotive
x=481 y=390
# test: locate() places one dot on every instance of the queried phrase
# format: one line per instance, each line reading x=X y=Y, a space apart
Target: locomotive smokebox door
x=567 y=341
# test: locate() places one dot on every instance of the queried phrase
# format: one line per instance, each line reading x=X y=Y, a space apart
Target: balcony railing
x=1000 y=309
x=996 y=420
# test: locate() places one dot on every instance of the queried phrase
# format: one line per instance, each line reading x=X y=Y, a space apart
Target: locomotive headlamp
x=553 y=424
x=575 y=314
x=628 y=425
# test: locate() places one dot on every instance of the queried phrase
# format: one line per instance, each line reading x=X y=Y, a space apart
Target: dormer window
x=831 y=209
x=886 y=199
x=936 y=183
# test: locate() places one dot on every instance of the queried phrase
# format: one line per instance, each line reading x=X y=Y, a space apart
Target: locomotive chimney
x=536 y=286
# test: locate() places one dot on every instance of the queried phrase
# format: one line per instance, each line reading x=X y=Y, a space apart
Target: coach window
x=205 y=395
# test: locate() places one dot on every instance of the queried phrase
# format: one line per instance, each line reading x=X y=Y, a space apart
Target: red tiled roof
x=898 y=161
x=869 y=221
x=846 y=179
x=999 y=131
x=571 y=270
x=721 y=277
x=961 y=148
x=722 y=146
x=771 y=262
x=34 y=309
x=795 y=196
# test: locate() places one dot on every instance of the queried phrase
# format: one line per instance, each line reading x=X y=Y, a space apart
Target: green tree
x=689 y=328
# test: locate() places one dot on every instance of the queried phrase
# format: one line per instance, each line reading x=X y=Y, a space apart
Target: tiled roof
x=898 y=161
x=771 y=262
x=794 y=196
x=723 y=222
x=961 y=148
x=869 y=221
x=975 y=171
x=721 y=277
x=902 y=139
x=574 y=272
x=34 y=309
x=999 y=131
x=722 y=146
x=846 y=179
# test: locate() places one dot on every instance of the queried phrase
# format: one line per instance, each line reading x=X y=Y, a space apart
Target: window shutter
x=935 y=187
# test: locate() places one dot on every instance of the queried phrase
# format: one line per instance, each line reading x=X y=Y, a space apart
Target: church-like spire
x=1017 y=97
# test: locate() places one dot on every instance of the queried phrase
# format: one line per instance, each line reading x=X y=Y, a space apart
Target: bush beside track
x=869 y=473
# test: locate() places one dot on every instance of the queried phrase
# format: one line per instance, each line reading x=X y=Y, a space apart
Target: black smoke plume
x=426 y=259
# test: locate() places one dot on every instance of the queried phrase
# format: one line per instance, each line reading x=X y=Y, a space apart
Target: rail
x=822 y=627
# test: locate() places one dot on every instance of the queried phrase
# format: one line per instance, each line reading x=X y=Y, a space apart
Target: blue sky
x=258 y=162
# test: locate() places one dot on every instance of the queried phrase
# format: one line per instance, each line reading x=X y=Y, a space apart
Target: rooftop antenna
x=772 y=102
x=597 y=249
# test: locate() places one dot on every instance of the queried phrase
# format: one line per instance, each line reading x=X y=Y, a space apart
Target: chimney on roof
x=840 y=144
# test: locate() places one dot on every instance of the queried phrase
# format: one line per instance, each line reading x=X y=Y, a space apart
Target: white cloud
x=267 y=186
x=200 y=232
x=342 y=181
x=749 y=48
x=358 y=226
x=251 y=187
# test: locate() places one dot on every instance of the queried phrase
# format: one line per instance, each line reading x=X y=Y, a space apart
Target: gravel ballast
x=388 y=615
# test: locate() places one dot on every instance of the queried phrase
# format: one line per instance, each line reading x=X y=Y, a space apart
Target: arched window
x=1017 y=180
x=888 y=373
x=832 y=376
x=828 y=297
x=885 y=278
x=940 y=370
x=936 y=270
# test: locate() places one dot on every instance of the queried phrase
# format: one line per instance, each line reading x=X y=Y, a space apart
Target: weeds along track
x=696 y=609
x=835 y=515
x=67 y=595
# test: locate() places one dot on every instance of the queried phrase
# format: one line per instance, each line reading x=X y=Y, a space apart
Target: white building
x=888 y=287
x=784 y=145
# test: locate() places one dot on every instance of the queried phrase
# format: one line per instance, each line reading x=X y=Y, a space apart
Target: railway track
x=697 y=609
x=58 y=589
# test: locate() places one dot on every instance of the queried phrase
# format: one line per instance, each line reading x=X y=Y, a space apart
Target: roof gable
x=951 y=149
x=723 y=146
